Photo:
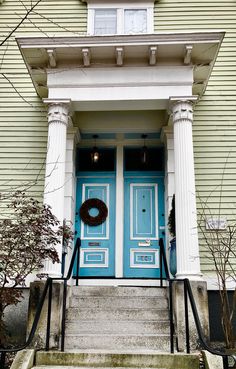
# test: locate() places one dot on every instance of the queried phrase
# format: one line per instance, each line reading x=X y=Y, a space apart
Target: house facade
x=127 y=102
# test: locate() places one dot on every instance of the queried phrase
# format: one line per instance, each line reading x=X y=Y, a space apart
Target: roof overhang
x=195 y=49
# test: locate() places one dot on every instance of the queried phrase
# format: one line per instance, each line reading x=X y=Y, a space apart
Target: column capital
x=173 y=100
x=181 y=108
x=58 y=110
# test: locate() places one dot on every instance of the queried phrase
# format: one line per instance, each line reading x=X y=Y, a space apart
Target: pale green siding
x=23 y=124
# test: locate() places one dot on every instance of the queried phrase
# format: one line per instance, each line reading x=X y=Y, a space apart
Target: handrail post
x=77 y=265
x=49 y=315
x=225 y=362
x=171 y=312
x=63 y=319
x=161 y=269
x=186 y=318
x=2 y=360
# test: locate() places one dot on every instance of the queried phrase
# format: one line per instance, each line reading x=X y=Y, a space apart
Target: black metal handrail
x=188 y=295
x=48 y=290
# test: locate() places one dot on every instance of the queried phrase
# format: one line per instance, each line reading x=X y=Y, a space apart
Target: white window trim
x=121 y=7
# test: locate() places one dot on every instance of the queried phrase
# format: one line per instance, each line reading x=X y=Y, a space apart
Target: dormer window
x=112 y=19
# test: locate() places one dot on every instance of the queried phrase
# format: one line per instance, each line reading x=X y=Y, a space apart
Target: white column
x=58 y=118
x=188 y=262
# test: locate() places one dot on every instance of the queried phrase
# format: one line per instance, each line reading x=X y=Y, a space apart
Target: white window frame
x=121 y=7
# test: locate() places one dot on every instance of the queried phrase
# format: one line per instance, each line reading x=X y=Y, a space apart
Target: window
x=135 y=21
x=105 y=164
x=133 y=161
x=107 y=19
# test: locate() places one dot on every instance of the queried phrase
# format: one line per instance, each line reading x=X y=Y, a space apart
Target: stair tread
x=117 y=334
x=83 y=367
x=120 y=320
x=119 y=359
x=118 y=291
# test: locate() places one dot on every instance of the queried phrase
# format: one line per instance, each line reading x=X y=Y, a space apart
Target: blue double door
x=143 y=226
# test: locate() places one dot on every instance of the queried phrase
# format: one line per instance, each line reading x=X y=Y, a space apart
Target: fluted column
x=188 y=262
x=58 y=118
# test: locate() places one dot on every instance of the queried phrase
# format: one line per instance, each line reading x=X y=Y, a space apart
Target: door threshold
x=121 y=282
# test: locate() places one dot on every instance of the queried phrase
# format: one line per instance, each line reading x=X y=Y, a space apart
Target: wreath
x=89 y=219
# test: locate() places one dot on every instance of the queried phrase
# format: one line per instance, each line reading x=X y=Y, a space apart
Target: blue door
x=144 y=225
x=97 y=255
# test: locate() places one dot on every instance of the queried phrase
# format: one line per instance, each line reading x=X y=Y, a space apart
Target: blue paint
x=101 y=136
x=143 y=208
x=144 y=215
x=97 y=243
x=136 y=136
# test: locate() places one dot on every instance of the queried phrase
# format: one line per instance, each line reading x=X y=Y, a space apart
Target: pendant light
x=95 y=153
x=144 y=152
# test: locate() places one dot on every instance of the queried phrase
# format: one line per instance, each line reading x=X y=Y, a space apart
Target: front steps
x=114 y=328
x=108 y=318
x=101 y=360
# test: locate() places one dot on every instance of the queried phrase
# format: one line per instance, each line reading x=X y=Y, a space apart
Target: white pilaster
x=58 y=119
x=73 y=138
x=188 y=262
x=167 y=138
x=119 y=211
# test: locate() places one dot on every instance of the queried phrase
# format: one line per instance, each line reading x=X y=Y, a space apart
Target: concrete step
x=118 y=326
x=112 y=314
x=117 y=302
x=157 y=342
x=76 y=367
x=100 y=359
x=118 y=291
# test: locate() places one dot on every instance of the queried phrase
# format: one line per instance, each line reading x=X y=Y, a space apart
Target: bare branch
x=20 y=23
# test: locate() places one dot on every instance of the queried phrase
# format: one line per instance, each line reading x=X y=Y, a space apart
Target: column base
x=199 y=290
x=39 y=340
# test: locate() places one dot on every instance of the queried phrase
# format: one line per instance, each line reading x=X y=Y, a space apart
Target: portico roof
x=196 y=50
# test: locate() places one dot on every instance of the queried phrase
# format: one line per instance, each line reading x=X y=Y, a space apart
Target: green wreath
x=89 y=219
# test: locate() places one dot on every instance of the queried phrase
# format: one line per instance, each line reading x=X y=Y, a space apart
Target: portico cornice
x=195 y=51
x=139 y=39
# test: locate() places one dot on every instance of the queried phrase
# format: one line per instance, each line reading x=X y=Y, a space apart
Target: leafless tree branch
x=20 y=22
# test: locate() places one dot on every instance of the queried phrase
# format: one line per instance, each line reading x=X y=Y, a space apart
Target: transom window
x=107 y=19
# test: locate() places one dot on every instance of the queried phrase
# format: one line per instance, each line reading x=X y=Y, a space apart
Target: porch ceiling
x=197 y=50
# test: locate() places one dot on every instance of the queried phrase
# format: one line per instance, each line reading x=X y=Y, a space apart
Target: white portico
x=159 y=73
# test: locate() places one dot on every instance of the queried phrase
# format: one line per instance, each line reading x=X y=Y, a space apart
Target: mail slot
x=94 y=244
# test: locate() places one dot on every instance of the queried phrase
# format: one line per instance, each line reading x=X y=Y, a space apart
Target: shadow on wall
x=216 y=331
x=15 y=318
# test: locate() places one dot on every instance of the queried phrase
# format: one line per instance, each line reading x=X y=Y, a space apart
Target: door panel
x=97 y=242
x=144 y=222
x=143 y=205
